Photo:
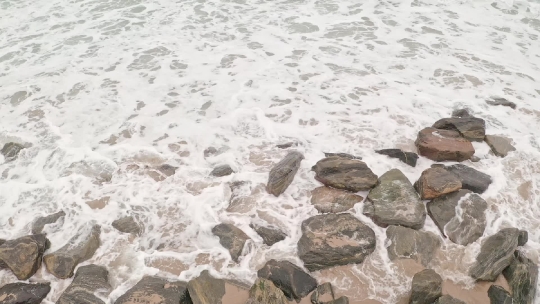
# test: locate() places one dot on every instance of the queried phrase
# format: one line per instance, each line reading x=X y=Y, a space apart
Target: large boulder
x=500 y=145
x=155 y=290
x=471 y=128
x=443 y=145
x=498 y=295
x=409 y=158
x=291 y=279
x=435 y=182
x=265 y=292
x=127 y=224
x=22 y=293
x=395 y=202
x=23 y=255
x=471 y=179
x=330 y=200
x=334 y=239
x=496 y=253
x=344 y=173
x=447 y=299
x=282 y=174
x=426 y=287
x=407 y=243
x=11 y=151
x=459 y=215
x=40 y=222
x=269 y=234
x=89 y=286
x=522 y=276
x=80 y=248
x=232 y=238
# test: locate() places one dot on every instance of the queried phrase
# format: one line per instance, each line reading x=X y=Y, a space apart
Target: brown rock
x=500 y=145
x=344 y=173
x=443 y=145
x=282 y=174
x=155 y=290
x=471 y=128
x=265 y=292
x=231 y=238
x=89 y=281
x=330 y=200
x=435 y=182
x=23 y=255
x=22 y=293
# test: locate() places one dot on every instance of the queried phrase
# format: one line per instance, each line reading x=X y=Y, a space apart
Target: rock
x=270 y=235
x=395 y=202
x=287 y=145
x=435 y=182
x=340 y=300
x=155 y=290
x=443 y=145
x=523 y=237
x=222 y=170
x=459 y=215
x=407 y=243
x=475 y=159
x=324 y=293
x=206 y=289
x=471 y=128
x=40 y=222
x=80 y=248
x=232 y=238
x=344 y=173
x=127 y=224
x=497 y=101
x=291 y=279
x=22 y=293
x=522 y=277
x=88 y=281
x=498 y=295
x=334 y=239
x=409 y=158
x=23 y=255
x=495 y=254
x=461 y=113
x=426 y=287
x=446 y=299
x=470 y=178
x=265 y=292
x=344 y=155
x=282 y=174
x=500 y=145
x=330 y=200
x=11 y=151
x=167 y=169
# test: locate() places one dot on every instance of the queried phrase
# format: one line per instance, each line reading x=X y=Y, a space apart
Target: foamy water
x=100 y=90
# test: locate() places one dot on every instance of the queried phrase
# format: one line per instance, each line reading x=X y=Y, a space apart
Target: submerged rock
x=426 y=287
x=322 y=294
x=500 y=145
x=11 y=151
x=498 y=295
x=395 y=202
x=345 y=155
x=270 y=235
x=40 y=222
x=344 y=173
x=498 y=101
x=88 y=281
x=22 y=293
x=222 y=170
x=470 y=178
x=447 y=299
x=443 y=145
x=471 y=128
x=334 y=239
x=127 y=224
x=232 y=238
x=435 y=182
x=522 y=276
x=282 y=174
x=409 y=158
x=461 y=113
x=330 y=200
x=407 y=243
x=23 y=255
x=291 y=279
x=155 y=290
x=265 y=292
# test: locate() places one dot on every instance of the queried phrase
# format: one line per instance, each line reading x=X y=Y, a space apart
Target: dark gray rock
x=40 y=222
x=286 y=145
x=127 y=224
x=407 y=243
x=426 y=287
x=155 y=290
x=500 y=145
x=323 y=293
x=498 y=101
x=344 y=173
x=395 y=202
x=23 y=255
x=2 y=264
x=206 y=289
x=471 y=128
x=282 y=174
x=89 y=282
x=222 y=170
x=334 y=239
x=232 y=238
x=345 y=155
x=330 y=200
x=498 y=295
x=443 y=145
x=265 y=292
x=11 y=151
x=465 y=226
x=22 y=293
x=470 y=178
x=462 y=113
x=291 y=279
x=270 y=235
x=409 y=158
x=435 y=182
x=522 y=276
x=523 y=237
x=446 y=299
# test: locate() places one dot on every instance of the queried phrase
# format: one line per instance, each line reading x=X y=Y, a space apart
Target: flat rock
x=282 y=174
x=345 y=155
x=232 y=238
x=80 y=248
x=498 y=295
x=471 y=179
x=496 y=253
x=322 y=294
x=426 y=287
x=127 y=224
x=465 y=226
x=155 y=290
x=330 y=200
x=447 y=299
x=270 y=235
x=222 y=170
x=461 y=113
x=40 y=222
x=265 y=292
x=443 y=145
x=395 y=202
x=407 y=243
x=435 y=182
x=22 y=293
x=500 y=145
x=498 y=101
x=23 y=255
x=89 y=282
x=344 y=173
x=334 y=239
x=522 y=276
x=11 y=151
x=206 y=289
x=291 y=279
x=409 y=158
x=471 y=128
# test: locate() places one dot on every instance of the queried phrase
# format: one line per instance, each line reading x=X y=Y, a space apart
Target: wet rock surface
x=40 y=222
x=232 y=238
x=522 y=276
x=498 y=101
x=155 y=290
x=435 y=182
x=471 y=179
x=265 y=292
x=222 y=170
x=11 y=151
x=291 y=279
x=90 y=285
x=471 y=128
x=500 y=145
x=344 y=173
x=22 y=293
x=282 y=174
x=23 y=255
x=461 y=113
x=206 y=289
x=498 y=295
x=409 y=158
x=426 y=287
x=323 y=293
x=330 y=200
x=345 y=155
x=443 y=145
x=446 y=299
x=395 y=202
x=127 y=224
x=270 y=234
x=407 y=243
x=334 y=239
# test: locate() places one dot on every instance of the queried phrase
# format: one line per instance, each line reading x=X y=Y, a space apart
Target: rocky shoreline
x=449 y=194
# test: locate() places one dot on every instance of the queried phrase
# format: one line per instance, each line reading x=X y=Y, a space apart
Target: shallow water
x=103 y=92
